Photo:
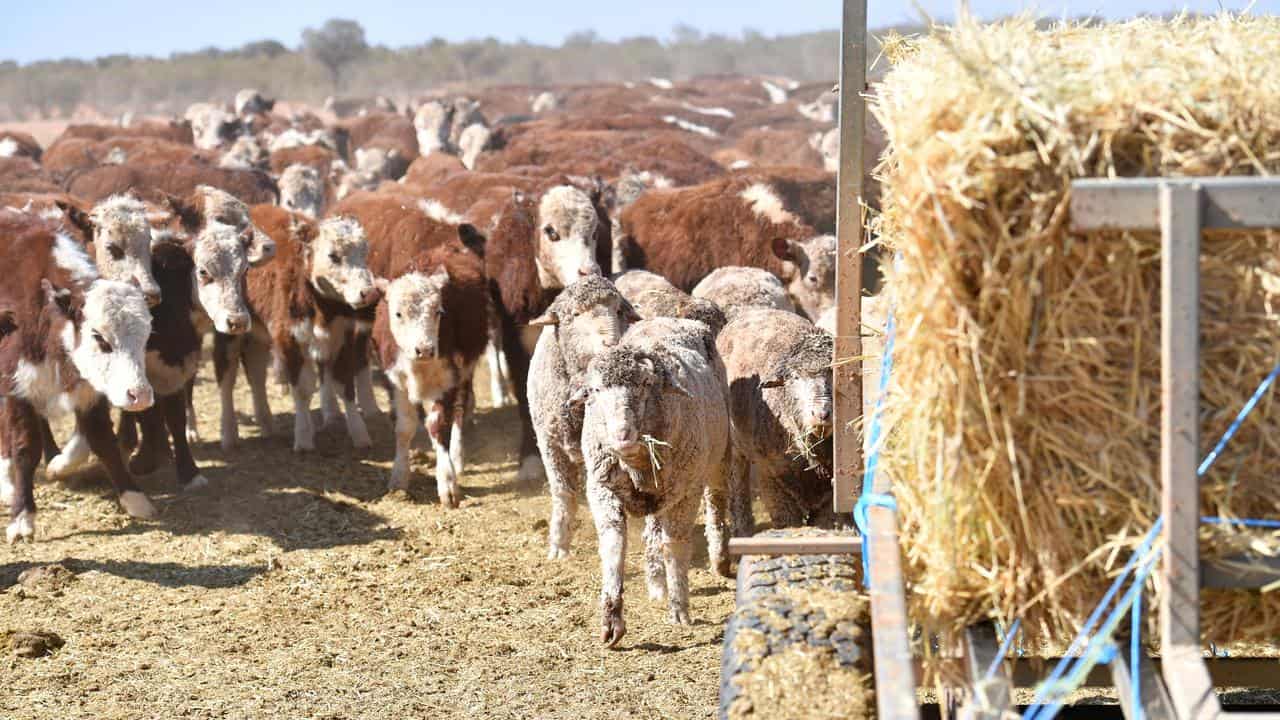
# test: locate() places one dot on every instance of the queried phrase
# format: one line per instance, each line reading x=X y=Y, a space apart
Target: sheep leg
x=741 y=514
x=226 y=352
x=716 y=522
x=564 y=502
x=785 y=508
x=406 y=428
x=611 y=528
x=655 y=571
x=256 y=361
x=675 y=525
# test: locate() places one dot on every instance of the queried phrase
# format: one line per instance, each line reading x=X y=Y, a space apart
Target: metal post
x=1185 y=674
x=848 y=345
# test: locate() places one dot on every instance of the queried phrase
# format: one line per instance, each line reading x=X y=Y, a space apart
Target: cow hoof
x=451 y=499
x=531 y=470
x=22 y=527
x=657 y=591
x=137 y=505
x=193 y=435
x=301 y=447
x=195 y=483
x=556 y=553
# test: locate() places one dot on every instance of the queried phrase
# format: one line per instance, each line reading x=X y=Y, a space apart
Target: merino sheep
x=778 y=366
x=586 y=319
x=655 y=440
x=736 y=288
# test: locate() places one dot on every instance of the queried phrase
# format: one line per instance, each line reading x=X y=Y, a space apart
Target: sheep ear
x=673 y=387
x=629 y=312
x=578 y=396
x=776 y=377
x=546 y=319
x=784 y=248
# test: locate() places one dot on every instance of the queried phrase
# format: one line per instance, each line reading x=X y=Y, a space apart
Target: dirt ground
x=294 y=587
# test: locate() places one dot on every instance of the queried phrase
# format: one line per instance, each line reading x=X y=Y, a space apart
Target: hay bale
x=1024 y=407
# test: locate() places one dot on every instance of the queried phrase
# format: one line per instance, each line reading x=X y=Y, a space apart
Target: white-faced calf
x=70 y=343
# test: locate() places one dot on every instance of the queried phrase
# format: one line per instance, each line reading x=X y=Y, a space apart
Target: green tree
x=335 y=45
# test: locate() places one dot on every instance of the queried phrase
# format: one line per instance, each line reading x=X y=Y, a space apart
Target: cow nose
x=153 y=297
x=589 y=268
x=138 y=398
x=237 y=324
x=425 y=351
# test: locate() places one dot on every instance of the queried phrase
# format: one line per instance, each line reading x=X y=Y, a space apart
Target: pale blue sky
x=47 y=29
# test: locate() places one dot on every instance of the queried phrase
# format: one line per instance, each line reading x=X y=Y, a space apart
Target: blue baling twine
x=1134 y=595
x=1004 y=649
x=869 y=498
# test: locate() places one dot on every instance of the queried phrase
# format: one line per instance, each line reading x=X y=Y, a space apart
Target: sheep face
x=802 y=383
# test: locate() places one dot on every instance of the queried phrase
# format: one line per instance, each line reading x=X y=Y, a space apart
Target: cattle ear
x=8 y=323
x=518 y=197
x=77 y=217
x=381 y=283
x=59 y=298
x=784 y=248
x=472 y=238
x=441 y=274
x=246 y=238
x=546 y=319
x=187 y=214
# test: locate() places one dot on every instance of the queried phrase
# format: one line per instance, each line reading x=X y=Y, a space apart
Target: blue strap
x=1249 y=405
x=1243 y=522
x=869 y=498
x=1004 y=649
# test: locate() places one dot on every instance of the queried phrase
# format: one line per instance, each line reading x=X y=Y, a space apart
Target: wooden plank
x=1156 y=704
x=795 y=546
x=1184 y=670
x=895 y=677
x=1134 y=204
x=1234 y=672
x=989 y=698
x=848 y=344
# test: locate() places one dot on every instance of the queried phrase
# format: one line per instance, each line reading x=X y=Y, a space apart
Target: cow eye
x=551 y=233
x=399 y=316
x=439 y=311
x=335 y=258
x=103 y=345
x=205 y=277
x=116 y=252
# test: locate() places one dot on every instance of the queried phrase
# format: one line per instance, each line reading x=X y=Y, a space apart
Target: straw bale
x=1024 y=405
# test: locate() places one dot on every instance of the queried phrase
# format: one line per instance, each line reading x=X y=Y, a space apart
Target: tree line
x=335 y=58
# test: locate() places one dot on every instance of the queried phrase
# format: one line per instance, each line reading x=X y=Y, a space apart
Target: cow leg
x=50 y=443
x=155 y=443
x=675 y=526
x=127 y=432
x=226 y=356
x=329 y=411
x=611 y=528
x=73 y=456
x=304 y=429
x=256 y=359
x=95 y=425
x=446 y=475
x=365 y=399
x=173 y=409
x=22 y=436
x=531 y=469
x=461 y=409
x=193 y=421
x=406 y=428
x=343 y=374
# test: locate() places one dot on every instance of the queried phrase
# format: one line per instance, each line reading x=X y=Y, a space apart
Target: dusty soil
x=294 y=587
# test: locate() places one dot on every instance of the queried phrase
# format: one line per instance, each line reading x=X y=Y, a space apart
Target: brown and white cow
x=70 y=343
x=302 y=306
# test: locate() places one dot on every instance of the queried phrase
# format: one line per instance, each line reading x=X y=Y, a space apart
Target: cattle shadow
x=164 y=574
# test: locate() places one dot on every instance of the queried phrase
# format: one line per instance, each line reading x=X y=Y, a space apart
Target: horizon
x=30 y=31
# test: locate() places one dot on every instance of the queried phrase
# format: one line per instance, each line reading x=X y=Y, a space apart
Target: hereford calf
x=684 y=234
x=303 y=315
x=778 y=367
x=430 y=331
x=70 y=342
x=655 y=441
x=202 y=284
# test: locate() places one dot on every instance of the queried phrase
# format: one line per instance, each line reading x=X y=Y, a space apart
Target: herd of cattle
x=647 y=268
